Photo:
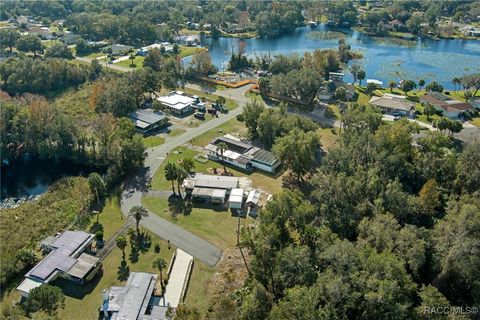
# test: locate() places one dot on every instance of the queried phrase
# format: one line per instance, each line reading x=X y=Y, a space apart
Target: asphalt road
x=138 y=185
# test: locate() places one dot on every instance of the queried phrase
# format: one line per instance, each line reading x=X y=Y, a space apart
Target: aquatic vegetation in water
x=326 y=35
x=396 y=41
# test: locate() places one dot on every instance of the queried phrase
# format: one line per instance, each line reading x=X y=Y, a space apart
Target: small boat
x=313 y=24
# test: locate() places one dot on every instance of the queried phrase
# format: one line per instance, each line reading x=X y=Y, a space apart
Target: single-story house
x=69 y=38
x=397 y=25
x=215 y=196
x=140 y=298
x=338 y=76
x=210 y=188
x=42 y=32
x=242 y=155
x=394 y=104
x=235 y=201
x=448 y=106
x=376 y=82
x=143 y=51
x=148 y=120
x=177 y=102
x=67 y=258
x=132 y=300
x=349 y=89
x=471 y=31
x=201 y=180
x=118 y=49
x=189 y=40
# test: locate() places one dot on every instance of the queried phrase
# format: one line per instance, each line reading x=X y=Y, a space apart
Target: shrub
x=157 y=248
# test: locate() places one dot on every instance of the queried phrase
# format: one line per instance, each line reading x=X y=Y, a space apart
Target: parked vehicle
x=212 y=111
x=199 y=115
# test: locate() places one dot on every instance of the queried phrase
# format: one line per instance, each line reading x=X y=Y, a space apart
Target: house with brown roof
x=448 y=106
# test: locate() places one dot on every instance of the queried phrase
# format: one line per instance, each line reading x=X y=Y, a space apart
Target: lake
x=383 y=59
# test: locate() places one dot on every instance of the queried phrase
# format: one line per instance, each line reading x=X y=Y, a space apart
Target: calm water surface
x=439 y=60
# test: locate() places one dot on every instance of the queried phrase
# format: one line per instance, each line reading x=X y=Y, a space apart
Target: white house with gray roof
x=242 y=154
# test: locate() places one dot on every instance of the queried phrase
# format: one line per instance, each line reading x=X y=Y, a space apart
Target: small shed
x=235 y=201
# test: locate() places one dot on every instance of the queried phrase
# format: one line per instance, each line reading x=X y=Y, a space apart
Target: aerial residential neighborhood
x=234 y=160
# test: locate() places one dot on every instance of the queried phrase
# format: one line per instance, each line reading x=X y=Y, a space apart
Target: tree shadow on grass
x=177 y=205
x=123 y=271
x=97 y=226
x=77 y=290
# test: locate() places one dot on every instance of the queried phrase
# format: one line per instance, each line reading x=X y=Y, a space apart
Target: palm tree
x=222 y=147
x=161 y=264
x=391 y=85
x=181 y=175
x=429 y=110
x=132 y=57
x=360 y=76
x=121 y=244
x=138 y=212
x=354 y=69
x=421 y=83
x=188 y=164
x=171 y=174
x=456 y=81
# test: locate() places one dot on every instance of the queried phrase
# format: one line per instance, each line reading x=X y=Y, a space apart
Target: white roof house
x=210 y=181
x=177 y=102
x=235 y=201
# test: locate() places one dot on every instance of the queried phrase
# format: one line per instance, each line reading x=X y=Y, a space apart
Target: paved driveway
x=138 y=185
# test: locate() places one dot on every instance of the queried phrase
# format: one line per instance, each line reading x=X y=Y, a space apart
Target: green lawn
x=199 y=292
x=329 y=138
x=110 y=218
x=82 y=301
x=138 y=62
x=423 y=118
x=216 y=226
x=153 y=141
x=176 y=132
x=270 y=184
x=49 y=43
x=232 y=126
x=475 y=121
x=186 y=51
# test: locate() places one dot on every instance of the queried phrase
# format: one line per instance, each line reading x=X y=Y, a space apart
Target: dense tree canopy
x=384 y=228
x=44 y=77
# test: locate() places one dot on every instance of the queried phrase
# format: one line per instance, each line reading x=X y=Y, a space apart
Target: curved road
x=138 y=185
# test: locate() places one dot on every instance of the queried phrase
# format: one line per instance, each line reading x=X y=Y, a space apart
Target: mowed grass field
x=214 y=224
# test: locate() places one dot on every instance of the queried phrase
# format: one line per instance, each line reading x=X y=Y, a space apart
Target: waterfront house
x=394 y=104
x=446 y=105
